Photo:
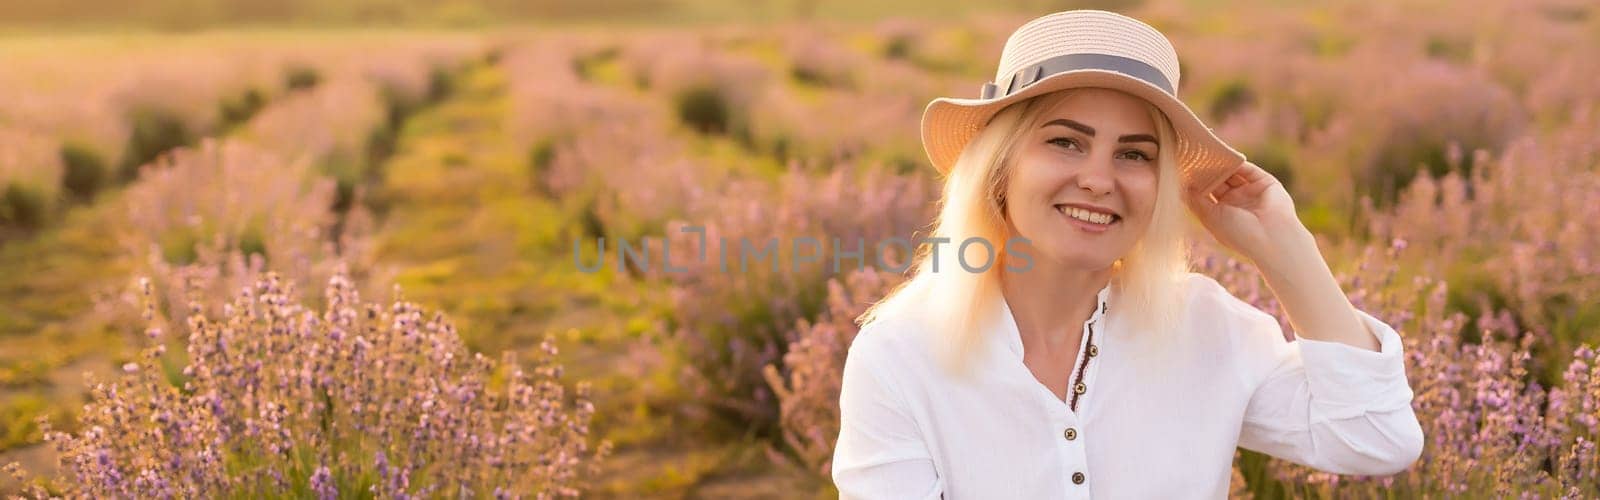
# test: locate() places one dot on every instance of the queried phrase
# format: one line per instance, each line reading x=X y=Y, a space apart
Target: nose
x=1096 y=177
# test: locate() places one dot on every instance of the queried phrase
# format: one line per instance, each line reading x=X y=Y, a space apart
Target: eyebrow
x=1087 y=130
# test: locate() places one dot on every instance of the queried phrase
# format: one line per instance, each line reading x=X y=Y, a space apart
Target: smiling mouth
x=1089 y=216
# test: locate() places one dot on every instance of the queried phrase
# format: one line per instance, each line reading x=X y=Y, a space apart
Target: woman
x=1088 y=360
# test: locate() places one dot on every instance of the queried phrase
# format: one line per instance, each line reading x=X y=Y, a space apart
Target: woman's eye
x=1063 y=141
x=1135 y=154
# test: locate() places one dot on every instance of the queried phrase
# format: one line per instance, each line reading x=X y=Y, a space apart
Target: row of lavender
x=80 y=115
x=250 y=368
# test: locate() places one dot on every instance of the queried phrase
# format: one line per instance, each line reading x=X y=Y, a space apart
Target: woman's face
x=1093 y=157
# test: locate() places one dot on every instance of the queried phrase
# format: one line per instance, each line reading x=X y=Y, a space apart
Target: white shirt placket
x=1070 y=443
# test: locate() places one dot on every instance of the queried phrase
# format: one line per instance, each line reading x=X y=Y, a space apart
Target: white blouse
x=1140 y=429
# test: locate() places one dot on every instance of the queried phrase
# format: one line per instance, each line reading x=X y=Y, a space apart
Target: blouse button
x=1071 y=434
x=1077 y=478
x=1093 y=350
x=1080 y=388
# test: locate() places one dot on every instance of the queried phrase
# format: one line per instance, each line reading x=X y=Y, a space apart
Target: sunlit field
x=342 y=262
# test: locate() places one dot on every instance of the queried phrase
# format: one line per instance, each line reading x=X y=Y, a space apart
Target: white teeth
x=1085 y=215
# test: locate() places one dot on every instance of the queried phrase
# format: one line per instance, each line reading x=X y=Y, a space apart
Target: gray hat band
x=1070 y=62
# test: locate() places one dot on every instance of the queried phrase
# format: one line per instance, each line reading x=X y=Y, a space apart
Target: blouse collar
x=1013 y=335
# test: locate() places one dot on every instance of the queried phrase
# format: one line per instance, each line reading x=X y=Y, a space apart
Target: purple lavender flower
x=322 y=484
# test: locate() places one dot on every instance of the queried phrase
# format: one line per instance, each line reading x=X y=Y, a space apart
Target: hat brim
x=1204 y=160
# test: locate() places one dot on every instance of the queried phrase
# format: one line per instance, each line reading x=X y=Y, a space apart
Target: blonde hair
x=954 y=304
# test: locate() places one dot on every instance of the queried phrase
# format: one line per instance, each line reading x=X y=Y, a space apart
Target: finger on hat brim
x=948 y=124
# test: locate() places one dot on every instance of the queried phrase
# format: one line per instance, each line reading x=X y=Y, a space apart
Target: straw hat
x=1083 y=48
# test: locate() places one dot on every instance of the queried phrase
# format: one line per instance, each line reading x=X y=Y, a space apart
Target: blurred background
x=333 y=248
x=182 y=15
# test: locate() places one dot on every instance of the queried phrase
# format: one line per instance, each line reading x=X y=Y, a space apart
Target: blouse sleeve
x=1332 y=406
x=880 y=452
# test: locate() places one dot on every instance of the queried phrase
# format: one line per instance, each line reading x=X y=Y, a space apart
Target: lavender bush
x=272 y=397
x=729 y=322
x=1516 y=233
x=204 y=220
x=585 y=141
x=808 y=382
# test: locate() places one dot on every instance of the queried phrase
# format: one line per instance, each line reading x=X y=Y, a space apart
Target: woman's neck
x=1050 y=302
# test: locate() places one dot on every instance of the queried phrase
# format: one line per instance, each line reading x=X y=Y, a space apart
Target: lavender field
x=340 y=263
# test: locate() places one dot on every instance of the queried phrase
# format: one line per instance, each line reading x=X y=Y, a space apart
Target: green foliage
x=586 y=66
x=540 y=157
x=1474 y=291
x=897 y=47
x=301 y=77
x=441 y=82
x=22 y=372
x=181 y=245
x=704 y=109
x=809 y=75
x=24 y=205
x=178 y=246
x=237 y=109
x=1276 y=157
x=1447 y=48
x=253 y=241
x=381 y=144
x=347 y=178
x=1253 y=466
x=1401 y=161
x=152 y=131
x=17 y=414
x=1230 y=98
x=84 y=171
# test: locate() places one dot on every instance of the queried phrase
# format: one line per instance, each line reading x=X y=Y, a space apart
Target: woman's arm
x=1337 y=398
x=1330 y=405
x=1251 y=213
x=880 y=452
x=1299 y=277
